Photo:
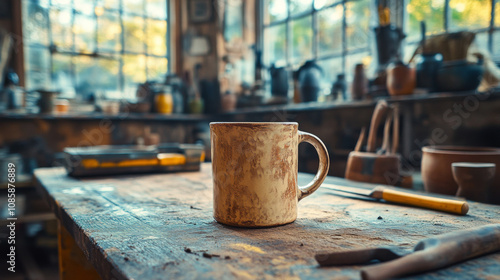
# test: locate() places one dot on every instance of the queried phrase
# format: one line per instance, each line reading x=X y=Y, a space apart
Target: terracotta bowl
x=436 y=167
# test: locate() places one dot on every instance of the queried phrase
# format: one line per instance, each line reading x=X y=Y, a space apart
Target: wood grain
x=161 y=227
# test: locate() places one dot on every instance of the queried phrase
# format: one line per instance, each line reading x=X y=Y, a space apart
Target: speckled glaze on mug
x=255 y=168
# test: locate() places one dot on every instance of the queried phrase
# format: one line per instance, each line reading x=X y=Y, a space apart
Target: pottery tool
x=395 y=133
x=361 y=139
x=429 y=254
x=385 y=142
x=382 y=166
x=105 y=160
x=405 y=198
x=378 y=114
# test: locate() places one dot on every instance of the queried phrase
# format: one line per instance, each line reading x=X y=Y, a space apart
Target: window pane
x=134 y=34
x=431 y=11
x=108 y=32
x=481 y=41
x=300 y=6
x=358 y=24
x=302 y=39
x=157 y=37
x=318 y=4
x=331 y=68
x=37 y=67
x=275 y=10
x=35 y=23
x=470 y=14
x=62 y=77
x=409 y=50
x=94 y=74
x=274 y=45
x=60 y=21
x=156 y=8
x=109 y=4
x=157 y=68
x=496 y=44
x=84 y=7
x=134 y=70
x=37 y=59
x=133 y=6
x=497 y=13
x=66 y=3
x=108 y=70
x=84 y=29
x=330 y=30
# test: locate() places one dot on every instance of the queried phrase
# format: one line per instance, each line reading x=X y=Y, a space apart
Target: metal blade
x=345 y=189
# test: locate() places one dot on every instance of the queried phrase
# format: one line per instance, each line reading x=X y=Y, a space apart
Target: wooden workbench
x=161 y=227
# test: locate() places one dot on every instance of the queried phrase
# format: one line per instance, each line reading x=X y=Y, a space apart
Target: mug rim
x=253 y=123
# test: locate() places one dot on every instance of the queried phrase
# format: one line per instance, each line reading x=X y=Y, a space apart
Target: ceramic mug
x=255 y=168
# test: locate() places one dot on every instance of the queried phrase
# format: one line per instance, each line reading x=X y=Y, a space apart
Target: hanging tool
x=429 y=254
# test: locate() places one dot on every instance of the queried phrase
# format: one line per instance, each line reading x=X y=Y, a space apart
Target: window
x=480 y=16
x=339 y=33
x=95 y=46
x=335 y=33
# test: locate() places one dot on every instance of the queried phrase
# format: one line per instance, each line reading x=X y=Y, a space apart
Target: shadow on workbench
x=35 y=238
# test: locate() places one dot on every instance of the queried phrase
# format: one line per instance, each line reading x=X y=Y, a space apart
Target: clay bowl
x=437 y=172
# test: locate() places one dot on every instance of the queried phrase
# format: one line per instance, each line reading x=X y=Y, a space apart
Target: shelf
x=301 y=107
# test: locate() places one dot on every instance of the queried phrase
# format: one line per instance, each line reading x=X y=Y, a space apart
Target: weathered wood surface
x=161 y=227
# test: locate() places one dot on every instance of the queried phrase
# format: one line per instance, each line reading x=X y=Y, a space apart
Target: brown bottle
x=360 y=83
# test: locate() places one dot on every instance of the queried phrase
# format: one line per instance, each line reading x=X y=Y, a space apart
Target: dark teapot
x=309 y=76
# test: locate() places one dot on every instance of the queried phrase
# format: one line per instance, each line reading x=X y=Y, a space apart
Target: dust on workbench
x=150 y=225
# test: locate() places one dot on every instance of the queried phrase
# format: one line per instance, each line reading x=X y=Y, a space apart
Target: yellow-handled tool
x=441 y=204
x=164 y=159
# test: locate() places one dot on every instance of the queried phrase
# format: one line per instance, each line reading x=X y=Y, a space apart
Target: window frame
x=102 y=53
x=316 y=56
x=490 y=30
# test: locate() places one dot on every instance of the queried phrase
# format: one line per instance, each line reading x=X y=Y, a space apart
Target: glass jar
x=164 y=101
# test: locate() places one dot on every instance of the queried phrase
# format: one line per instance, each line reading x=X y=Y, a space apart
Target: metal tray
x=108 y=160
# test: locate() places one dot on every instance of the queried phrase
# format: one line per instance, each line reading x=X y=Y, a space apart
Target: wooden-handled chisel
x=400 y=197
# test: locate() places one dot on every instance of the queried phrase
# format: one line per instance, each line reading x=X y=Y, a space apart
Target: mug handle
x=324 y=164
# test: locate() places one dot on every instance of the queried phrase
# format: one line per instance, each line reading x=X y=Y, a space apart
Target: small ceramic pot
x=229 y=102
x=46 y=101
x=474 y=180
x=61 y=106
x=436 y=167
x=401 y=79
